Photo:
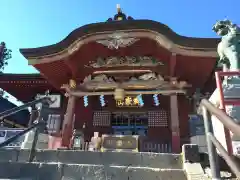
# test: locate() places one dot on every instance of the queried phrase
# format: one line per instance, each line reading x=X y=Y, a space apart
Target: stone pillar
x=175 y=124
x=67 y=127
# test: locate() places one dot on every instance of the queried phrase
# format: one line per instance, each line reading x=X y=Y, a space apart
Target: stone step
x=154 y=160
x=58 y=171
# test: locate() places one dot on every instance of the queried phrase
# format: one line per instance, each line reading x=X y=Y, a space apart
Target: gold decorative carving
x=149 y=80
x=124 y=61
x=72 y=84
x=150 y=76
x=109 y=79
x=118 y=40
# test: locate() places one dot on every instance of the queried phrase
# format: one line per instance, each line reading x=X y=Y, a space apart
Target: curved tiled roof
x=190 y=42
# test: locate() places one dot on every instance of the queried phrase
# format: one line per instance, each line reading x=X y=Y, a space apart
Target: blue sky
x=32 y=23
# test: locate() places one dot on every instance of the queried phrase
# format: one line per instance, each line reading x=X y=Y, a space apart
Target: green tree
x=5 y=55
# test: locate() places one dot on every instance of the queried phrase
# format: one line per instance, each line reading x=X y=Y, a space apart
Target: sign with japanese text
x=129 y=101
x=54 y=97
x=119 y=143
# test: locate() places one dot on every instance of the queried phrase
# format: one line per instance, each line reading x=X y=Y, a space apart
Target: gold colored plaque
x=120 y=103
x=120 y=143
x=135 y=101
x=128 y=102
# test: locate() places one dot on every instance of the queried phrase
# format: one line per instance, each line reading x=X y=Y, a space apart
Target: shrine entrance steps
x=85 y=165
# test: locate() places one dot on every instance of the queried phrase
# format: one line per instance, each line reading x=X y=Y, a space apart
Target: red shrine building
x=122 y=76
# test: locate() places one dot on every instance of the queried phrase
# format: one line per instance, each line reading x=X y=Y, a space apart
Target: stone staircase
x=85 y=165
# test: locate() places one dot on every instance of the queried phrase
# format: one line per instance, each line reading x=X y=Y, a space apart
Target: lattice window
x=101 y=118
x=157 y=118
x=53 y=124
x=120 y=119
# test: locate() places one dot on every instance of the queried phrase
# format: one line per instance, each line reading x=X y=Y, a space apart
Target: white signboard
x=236 y=147
x=56 y=98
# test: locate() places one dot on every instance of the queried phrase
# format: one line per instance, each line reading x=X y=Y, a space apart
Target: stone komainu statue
x=229 y=53
x=229 y=47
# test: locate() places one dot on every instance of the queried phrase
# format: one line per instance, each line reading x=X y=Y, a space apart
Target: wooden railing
x=208 y=109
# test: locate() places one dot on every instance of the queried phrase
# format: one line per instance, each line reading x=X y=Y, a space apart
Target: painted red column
x=68 y=122
x=176 y=146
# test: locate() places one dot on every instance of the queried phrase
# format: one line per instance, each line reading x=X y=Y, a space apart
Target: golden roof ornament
x=120 y=16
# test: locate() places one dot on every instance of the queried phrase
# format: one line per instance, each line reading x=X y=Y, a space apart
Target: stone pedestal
x=190 y=153
x=231 y=91
x=41 y=144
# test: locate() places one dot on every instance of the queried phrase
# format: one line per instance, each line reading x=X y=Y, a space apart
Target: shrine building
x=122 y=76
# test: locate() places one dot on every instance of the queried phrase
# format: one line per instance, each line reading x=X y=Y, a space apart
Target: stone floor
x=84 y=165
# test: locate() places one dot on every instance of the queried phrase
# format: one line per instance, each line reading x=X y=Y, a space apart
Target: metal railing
x=39 y=125
x=12 y=123
x=213 y=144
x=9 y=112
